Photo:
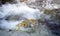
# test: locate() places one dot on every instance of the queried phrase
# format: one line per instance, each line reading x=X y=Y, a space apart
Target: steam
x=19 y=11
x=22 y=11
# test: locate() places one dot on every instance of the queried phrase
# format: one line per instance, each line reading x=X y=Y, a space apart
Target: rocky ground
x=50 y=30
x=41 y=31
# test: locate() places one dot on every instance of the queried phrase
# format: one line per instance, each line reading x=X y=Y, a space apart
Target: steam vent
x=29 y=17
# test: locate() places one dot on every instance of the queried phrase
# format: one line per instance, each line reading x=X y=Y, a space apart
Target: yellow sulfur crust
x=24 y=23
x=23 y=0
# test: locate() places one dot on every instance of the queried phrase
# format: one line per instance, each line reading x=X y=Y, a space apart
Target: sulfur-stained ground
x=41 y=31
